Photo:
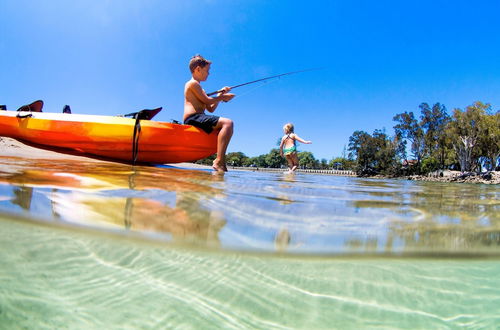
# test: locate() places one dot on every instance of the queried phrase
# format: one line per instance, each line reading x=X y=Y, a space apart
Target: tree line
x=467 y=140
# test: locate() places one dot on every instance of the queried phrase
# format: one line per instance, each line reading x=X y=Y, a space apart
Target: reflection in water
x=454 y=216
x=187 y=221
x=282 y=240
x=70 y=200
x=23 y=197
x=262 y=211
x=445 y=217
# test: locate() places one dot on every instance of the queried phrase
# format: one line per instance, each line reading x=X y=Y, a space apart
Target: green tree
x=341 y=163
x=236 y=158
x=384 y=159
x=409 y=129
x=259 y=161
x=307 y=160
x=207 y=161
x=466 y=130
x=374 y=153
x=358 y=151
x=273 y=159
x=434 y=121
x=489 y=141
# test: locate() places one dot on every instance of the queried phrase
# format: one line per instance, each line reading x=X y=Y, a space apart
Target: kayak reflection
x=107 y=195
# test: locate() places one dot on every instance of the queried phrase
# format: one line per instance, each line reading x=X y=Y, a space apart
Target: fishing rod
x=262 y=79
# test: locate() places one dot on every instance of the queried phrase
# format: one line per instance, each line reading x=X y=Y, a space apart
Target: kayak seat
x=32 y=107
x=148 y=114
x=145 y=114
x=66 y=109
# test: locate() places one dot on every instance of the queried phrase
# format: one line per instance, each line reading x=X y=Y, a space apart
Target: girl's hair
x=198 y=60
x=288 y=128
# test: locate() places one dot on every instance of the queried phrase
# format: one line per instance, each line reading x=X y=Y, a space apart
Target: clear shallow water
x=53 y=278
x=92 y=245
x=257 y=211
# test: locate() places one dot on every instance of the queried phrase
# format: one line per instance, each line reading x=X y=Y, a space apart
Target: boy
x=195 y=103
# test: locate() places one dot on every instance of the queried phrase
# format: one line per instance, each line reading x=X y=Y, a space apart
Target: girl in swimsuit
x=288 y=146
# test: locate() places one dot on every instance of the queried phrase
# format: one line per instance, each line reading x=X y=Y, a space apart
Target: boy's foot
x=219 y=167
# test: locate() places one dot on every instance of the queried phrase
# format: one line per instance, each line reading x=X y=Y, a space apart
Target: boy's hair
x=288 y=128
x=196 y=61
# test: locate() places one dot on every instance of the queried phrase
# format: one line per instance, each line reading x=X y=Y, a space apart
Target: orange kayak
x=109 y=136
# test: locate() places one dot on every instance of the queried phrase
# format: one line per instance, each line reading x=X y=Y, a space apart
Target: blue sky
x=380 y=58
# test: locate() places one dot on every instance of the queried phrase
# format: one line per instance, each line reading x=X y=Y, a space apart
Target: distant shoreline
x=453 y=177
x=448 y=176
x=13 y=148
x=309 y=171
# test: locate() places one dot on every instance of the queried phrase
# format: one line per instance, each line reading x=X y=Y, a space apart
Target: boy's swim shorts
x=203 y=121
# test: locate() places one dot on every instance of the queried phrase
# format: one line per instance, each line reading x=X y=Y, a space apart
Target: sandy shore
x=456 y=176
x=13 y=148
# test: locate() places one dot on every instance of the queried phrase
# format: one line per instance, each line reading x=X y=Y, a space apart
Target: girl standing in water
x=288 y=146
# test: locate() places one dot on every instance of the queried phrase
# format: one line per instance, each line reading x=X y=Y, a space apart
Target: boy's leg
x=225 y=127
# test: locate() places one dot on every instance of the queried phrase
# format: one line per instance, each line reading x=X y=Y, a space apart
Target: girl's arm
x=296 y=137
x=281 y=145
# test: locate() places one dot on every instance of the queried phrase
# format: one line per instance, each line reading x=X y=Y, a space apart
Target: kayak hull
x=109 y=137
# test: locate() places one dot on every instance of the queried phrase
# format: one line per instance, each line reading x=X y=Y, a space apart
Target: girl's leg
x=295 y=161
x=289 y=161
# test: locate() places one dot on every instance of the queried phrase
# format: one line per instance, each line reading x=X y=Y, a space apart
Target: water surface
x=257 y=211
x=106 y=245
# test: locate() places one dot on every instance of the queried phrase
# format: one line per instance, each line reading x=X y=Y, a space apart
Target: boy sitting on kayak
x=195 y=103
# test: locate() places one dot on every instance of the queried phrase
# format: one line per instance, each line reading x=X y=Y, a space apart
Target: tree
x=307 y=160
x=385 y=153
x=273 y=159
x=434 y=121
x=410 y=129
x=489 y=141
x=465 y=131
x=341 y=163
x=259 y=161
x=358 y=142
x=207 y=161
x=236 y=158
x=374 y=153
x=323 y=164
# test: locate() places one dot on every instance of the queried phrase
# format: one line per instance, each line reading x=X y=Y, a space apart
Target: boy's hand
x=227 y=97
x=225 y=90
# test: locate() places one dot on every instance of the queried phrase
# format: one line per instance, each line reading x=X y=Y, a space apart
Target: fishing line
x=266 y=78
x=254 y=88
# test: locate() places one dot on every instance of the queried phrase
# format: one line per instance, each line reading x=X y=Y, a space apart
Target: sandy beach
x=13 y=148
